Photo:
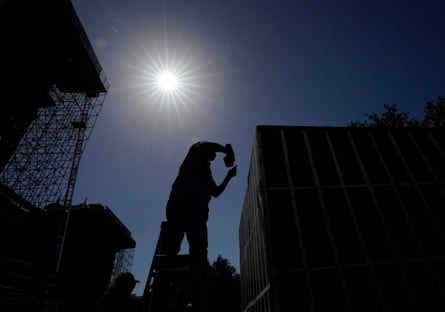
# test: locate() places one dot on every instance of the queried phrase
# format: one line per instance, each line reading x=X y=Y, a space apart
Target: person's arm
x=212 y=146
x=220 y=188
x=229 y=159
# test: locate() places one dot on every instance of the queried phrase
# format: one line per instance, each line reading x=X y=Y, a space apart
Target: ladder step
x=177 y=262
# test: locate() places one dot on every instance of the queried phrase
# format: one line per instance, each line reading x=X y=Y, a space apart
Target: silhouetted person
x=188 y=209
x=118 y=297
x=188 y=204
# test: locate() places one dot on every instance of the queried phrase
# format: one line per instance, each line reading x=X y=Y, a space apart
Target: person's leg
x=173 y=234
x=197 y=239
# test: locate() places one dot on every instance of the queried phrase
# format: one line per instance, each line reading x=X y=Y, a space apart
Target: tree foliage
x=222 y=266
x=392 y=117
x=434 y=113
x=223 y=293
x=222 y=288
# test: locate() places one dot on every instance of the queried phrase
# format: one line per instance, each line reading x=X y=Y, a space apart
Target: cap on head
x=126 y=278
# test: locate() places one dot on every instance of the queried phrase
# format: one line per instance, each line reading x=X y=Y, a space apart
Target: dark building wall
x=254 y=262
x=345 y=219
x=94 y=236
x=29 y=253
x=21 y=279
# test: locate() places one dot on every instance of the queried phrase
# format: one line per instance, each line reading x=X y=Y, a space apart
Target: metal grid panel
x=255 y=283
x=358 y=211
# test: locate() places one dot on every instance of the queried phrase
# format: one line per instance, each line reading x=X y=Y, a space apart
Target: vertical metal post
x=80 y=126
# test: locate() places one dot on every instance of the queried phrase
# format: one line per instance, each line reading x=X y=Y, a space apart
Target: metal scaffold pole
x=80 y=127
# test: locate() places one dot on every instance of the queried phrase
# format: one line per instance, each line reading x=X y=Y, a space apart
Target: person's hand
x=229 y=159
x=231 y=172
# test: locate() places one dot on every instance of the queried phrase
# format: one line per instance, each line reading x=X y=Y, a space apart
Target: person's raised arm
x=214 y=147
x=220 y=188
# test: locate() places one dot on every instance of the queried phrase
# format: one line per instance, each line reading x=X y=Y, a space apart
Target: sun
x=171 y=79
x=168 y=81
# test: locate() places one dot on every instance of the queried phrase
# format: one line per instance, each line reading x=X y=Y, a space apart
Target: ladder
x=173 y=284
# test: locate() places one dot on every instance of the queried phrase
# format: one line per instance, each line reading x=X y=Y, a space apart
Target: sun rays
x=169 y=80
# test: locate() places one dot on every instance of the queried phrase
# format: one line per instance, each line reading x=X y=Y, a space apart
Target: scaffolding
x=122 y=262
x=44 y=166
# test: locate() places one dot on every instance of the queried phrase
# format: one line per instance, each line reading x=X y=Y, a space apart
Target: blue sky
x=241 y=64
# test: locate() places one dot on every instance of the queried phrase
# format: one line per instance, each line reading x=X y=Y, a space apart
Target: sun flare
x=172 y=79
x=168 y=81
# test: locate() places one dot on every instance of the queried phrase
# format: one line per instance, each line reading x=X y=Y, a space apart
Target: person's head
x=206 y=152
x=125 y=282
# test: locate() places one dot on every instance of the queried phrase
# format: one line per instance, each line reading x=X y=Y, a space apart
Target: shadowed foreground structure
x=93 y=243
x=347 y=219
x=52 y=91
